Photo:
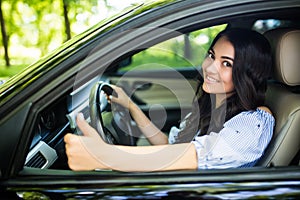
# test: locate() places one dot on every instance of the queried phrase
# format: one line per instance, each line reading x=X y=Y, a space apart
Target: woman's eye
x=227 y=64
x=211 y=55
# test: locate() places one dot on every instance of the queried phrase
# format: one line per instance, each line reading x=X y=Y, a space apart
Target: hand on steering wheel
x=98 y=103
x=119 y=97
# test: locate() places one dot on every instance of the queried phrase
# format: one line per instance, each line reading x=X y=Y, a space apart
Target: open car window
x=161 y=80
x=160 y=72
x=183 y=51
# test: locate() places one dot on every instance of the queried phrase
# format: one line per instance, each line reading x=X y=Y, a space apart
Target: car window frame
x=106 y=60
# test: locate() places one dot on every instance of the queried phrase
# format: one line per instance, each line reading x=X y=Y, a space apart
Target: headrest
x=285 y=44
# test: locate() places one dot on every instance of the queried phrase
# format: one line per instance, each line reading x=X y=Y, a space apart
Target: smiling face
x=217 y=69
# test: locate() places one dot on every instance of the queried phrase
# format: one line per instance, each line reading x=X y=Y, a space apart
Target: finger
x=108 y=98
x=71 y=141
x=111 y=98
x=114 y=87
x=116 y=90
x=86 y=129
x=68 y=137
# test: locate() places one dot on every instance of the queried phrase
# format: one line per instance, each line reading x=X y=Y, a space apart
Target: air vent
x=37 y=161
x=41 y=156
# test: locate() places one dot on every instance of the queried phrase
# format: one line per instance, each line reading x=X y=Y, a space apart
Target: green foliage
x=182 y=51
x=6 y=72
x=36 y=27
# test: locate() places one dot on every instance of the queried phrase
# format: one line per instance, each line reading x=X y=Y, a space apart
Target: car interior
x=165 y=94
x=283 y=98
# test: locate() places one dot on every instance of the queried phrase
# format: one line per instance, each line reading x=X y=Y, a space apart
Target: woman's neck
x=221 y=98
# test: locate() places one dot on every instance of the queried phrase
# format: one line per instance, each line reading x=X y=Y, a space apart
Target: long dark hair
x=250 y=72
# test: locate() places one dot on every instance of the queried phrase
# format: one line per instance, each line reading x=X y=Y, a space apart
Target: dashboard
x=47 y=146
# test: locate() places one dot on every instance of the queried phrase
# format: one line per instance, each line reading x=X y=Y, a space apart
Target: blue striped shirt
x=240 y=143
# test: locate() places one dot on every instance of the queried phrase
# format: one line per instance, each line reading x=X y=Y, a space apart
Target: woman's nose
x=212 y=67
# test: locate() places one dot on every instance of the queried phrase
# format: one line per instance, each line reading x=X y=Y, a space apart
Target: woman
x=228 y=127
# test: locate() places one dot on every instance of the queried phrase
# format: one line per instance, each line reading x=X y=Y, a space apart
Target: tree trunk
x=187 y=47
x=4 y=36
x=67 y=21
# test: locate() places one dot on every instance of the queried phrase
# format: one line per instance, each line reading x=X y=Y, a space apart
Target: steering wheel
x=121 y=122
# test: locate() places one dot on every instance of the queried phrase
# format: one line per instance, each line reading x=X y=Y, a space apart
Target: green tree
x=38 y=27
x=66 y=18
x=4 y=36
x=73 y=8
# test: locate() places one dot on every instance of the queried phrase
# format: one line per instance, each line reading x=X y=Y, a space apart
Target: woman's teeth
x=211 y=79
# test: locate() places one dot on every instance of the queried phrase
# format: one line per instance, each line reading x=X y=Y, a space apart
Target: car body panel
x=23 y=97
x=215 y=184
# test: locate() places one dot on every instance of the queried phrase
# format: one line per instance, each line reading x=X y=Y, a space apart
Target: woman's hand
x=152 y=133
x=82 y=150
x=90 y=152
x=122 y=98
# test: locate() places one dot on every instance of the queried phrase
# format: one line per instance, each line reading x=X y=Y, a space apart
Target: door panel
x=164 y=96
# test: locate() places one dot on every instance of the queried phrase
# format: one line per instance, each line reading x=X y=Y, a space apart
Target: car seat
x=283 y=98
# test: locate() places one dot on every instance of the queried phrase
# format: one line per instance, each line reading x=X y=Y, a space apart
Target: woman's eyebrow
x=226 y=57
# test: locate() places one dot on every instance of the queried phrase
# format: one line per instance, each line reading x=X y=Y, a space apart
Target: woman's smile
x=211 y=80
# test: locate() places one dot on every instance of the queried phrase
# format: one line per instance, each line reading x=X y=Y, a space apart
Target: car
x=154 y=51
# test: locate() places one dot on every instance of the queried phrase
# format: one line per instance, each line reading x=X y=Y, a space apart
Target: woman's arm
x=89 y=152
x=150 y=131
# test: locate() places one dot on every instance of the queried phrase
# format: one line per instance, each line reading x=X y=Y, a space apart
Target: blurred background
x=32 y=28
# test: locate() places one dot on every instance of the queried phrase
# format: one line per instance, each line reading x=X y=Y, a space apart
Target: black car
x=154 y=51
